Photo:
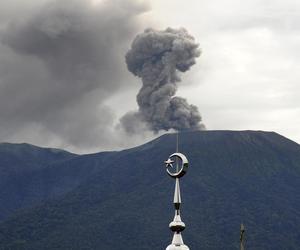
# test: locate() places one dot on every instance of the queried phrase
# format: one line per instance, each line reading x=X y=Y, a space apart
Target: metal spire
x=177 y=225
x=177 y=142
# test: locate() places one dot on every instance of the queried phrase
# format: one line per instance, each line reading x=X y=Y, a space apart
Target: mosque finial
x=177 y=225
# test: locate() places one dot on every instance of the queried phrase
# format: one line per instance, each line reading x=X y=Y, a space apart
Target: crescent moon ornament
x=181 y=170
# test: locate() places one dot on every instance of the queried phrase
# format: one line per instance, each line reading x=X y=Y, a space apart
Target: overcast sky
x=64 y=81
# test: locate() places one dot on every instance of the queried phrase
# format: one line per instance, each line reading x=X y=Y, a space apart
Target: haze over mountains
x=52 y=199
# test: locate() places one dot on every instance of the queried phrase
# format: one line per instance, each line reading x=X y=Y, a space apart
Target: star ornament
x=169 y=163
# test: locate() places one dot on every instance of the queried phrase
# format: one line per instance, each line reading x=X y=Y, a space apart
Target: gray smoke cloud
x=60 y=61
x=157 y=57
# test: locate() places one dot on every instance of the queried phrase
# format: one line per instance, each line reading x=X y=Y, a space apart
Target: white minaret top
x=177 y=225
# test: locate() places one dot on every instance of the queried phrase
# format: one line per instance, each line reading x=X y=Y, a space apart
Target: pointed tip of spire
x=177 y=142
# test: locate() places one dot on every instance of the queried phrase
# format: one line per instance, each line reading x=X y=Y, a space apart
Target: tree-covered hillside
x=126 y=203
x=19 y=163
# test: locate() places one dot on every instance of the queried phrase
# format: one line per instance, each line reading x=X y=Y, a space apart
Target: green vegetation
x=124 y=199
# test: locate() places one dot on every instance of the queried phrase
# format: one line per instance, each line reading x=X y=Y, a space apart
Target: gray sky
x=64 y=82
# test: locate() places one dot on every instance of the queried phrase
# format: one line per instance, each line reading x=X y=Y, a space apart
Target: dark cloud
x=59 y=64
x=157 y=57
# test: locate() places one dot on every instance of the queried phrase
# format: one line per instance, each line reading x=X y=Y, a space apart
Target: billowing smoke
x=156 y=57
x=60 y=61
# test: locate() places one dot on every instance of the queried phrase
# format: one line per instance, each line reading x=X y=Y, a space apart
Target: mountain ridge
x=249 y=176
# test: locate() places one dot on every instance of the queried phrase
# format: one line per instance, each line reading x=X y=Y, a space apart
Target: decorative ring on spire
x=181 y=170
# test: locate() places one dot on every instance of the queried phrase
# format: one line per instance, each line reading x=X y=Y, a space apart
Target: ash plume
x=157 y=57
x=60 y=61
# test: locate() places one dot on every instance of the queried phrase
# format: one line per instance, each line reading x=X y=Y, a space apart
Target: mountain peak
x=234 y=176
